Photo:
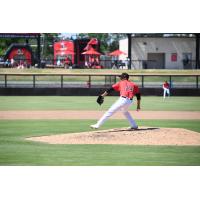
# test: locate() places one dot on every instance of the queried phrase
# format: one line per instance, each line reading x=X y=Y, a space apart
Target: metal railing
x=94 y=80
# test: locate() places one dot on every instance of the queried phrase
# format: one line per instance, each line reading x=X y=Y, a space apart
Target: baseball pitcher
x=127 y=90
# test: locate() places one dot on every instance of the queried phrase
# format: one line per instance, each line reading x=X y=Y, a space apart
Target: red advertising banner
x=20 y=55
x=63 y=50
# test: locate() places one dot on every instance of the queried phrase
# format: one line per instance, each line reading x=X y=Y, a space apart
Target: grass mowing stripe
x=26 y=127
x=154 y=103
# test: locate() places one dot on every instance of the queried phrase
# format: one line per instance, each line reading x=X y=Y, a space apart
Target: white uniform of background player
x=127 y=91
x=166 y=89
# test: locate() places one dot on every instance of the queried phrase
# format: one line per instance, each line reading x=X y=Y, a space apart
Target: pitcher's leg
x=128 y=115
x=130 y=119
x=114 y=108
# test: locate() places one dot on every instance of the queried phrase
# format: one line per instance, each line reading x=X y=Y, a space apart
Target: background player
x=166 y=89
x=127 y=91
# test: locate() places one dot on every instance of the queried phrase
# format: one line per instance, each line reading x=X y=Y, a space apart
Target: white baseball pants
x=123 y=105
x=166 y=91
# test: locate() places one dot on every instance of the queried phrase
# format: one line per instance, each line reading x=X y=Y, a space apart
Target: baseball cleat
x=94 y=126
x=133 y=128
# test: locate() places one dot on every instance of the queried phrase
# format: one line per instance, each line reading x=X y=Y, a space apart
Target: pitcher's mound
x=142 y=136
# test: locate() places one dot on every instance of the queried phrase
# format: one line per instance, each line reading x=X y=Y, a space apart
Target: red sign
x=20 y=54
x=64 y=50
x=174 y=57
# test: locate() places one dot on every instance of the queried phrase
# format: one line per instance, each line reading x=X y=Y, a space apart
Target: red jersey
x=126 y=88
x=166 y=85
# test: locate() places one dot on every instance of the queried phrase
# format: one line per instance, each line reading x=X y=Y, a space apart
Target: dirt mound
x=142 y=136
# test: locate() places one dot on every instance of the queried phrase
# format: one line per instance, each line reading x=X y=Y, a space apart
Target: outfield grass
x=14 y=150
x=153 y=103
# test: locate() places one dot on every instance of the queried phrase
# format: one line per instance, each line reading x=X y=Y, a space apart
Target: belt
x=127 y=98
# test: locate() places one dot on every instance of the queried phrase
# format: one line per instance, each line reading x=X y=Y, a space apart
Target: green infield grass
x=153 y=103
x=15 y=150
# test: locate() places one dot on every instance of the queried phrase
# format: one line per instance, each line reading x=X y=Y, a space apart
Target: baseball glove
x=100 y=99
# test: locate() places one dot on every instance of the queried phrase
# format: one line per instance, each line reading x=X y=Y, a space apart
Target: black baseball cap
x=124 y=75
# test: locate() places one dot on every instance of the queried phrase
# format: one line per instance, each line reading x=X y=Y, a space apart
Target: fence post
x=170 y=81
x=61 y=81
x=5 y=80
x=197 y=81
x=34 y=81
x=89 y=81
x=142 y=81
